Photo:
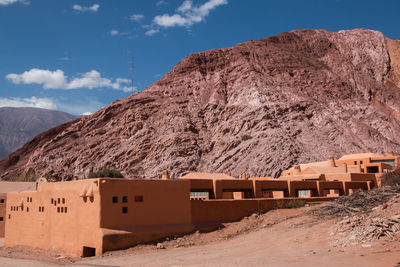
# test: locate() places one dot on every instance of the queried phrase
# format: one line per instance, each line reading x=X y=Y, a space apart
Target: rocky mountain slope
x=258 y=107
x=20 y=125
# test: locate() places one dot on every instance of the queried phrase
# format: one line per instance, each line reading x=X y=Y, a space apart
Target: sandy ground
x=277 y=238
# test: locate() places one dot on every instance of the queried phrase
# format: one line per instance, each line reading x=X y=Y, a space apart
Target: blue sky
x=75 y=55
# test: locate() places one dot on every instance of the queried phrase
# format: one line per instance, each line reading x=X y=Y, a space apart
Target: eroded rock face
x=258 y=107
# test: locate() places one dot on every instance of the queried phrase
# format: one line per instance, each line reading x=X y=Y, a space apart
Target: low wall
x=211 y=212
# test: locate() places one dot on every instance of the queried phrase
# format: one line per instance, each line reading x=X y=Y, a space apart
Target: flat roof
x=360 y=156
x=6 y=187
x=207 y=175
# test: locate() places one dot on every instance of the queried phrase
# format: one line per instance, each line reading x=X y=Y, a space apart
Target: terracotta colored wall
x=153 y=209
x=50 y=229
x=3 y=202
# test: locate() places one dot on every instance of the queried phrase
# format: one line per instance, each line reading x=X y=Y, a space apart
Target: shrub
x=101 y=132
x=246 y=137
x=391 y=178
x=106 y=173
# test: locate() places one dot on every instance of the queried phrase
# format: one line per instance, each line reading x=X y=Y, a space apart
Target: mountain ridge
x=258 y=107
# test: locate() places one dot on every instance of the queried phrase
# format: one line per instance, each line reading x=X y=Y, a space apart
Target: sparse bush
x=246 y=137
x=106 y=173
x=74 y=135
x=101 y=132
x=391 y=178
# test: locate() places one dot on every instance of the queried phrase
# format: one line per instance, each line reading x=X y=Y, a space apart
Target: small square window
x=2 y=200
x=124 y=199
x=138 y=198
x=1 y=219
x=361 y=162
x=355 y=162
x=114 y=199
x=124 y=209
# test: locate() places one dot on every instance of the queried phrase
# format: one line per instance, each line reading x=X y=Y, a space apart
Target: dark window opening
x=9 y=216
x=88 y=252
x=16 y=209
x=373 y=169
x=58 y=200
x=65 y=209
x=63 y=200
x=114 y=199
x=27 y=209
x=124 y=199
x=2 y=200
x=22 y=208
x=40 y=209
x=1 y=219
x=58 y=209
x=355 y=162
x=52 y=201
x=27 y=199
x=30 y=199
x=361 y=162
x=138 y=198
x=124 y=209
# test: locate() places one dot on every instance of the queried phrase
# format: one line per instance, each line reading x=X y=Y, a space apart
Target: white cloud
x=151 y=32
x=58 y=80
x=162 y=2
x=188 y=14
x=113 y=32
x=79 y=8
x=28 y=102
x=87 y=113
x=65 y=58
x=136 y=17
x=9 y=2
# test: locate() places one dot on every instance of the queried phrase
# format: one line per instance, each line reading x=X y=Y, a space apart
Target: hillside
x=20 y=125
x=260 y=107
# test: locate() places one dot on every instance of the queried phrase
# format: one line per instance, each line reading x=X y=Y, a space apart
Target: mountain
x=258 y=107
x=20 y=125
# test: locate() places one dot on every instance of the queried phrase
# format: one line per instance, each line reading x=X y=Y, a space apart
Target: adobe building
x=352 y=167
x=6 y=187
x=89 y=217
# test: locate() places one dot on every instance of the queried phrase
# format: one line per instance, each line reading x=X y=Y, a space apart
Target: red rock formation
x=259 y=107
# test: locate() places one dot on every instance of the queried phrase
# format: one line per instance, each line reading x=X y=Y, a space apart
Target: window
x=63 y=200
x=62 y=209
x=16 y=209
x=42 y=209
x=27 y=209
x=124 y=209
x=52 y=201
x=114 y=199
x=27 y=199
x=361 y=162
x=124 y=199
x=30 y=199
x=355 y=162
x=65 y=209
x=9 y=216
x=58 y=200
x=1 y=219
x=138 y=198
x=58 y=209
x=2 y=200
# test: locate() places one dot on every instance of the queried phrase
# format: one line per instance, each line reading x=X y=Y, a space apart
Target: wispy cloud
x=162 y=2
x=136 y=17
x=65 y=58
x=80 y=8
x=9 y=2
x=187 y=14
x=58 y=80
x=113 y=32
x=33 y=101
x=152 y=32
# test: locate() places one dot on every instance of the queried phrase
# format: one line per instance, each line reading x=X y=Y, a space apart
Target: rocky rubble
x=258 y=107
